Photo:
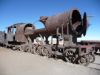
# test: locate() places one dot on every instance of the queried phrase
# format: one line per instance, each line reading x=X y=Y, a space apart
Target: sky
x=29 y=11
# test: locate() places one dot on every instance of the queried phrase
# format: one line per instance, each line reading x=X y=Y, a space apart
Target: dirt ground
x=21 y=63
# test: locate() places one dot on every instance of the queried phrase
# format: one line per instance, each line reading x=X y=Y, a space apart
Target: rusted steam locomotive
x=65 y=28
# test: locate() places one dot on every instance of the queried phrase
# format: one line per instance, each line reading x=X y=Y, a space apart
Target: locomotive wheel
x=33 y=50
x=19 y=48
x=83 y=60
x=91 y=58
x=13 y=48
x=45 y=52
x=69 y=56
x=70 y=53
x=27 y=49
x=39 y=50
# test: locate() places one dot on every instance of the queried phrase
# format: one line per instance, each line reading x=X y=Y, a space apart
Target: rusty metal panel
x=29 y=29
x=19 y=35
x=71 y=22
x=22 y=31
x=42 y=31
x=56 y=21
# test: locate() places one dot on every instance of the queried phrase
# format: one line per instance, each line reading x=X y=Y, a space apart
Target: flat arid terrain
x=21 y=63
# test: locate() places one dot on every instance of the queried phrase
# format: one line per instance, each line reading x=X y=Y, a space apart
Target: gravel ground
x=21 y=63
x=96 y=63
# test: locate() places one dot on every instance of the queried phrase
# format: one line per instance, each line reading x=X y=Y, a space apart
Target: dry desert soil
x=21 y=63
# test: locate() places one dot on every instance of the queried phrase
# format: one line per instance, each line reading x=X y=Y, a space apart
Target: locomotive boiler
x=71 y=22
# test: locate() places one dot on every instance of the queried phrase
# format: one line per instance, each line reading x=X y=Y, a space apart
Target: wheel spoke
x=83 y=60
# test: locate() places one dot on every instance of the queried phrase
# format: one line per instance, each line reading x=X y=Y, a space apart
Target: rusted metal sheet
x=42 y=31
x=19 y=35
x=91 y=41
x=22 y=31
x=29 y=29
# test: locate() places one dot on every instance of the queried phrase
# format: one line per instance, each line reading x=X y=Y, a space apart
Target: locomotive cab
x=11 y=33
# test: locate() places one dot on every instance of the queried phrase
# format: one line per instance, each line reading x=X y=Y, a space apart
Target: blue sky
x=29 y=11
